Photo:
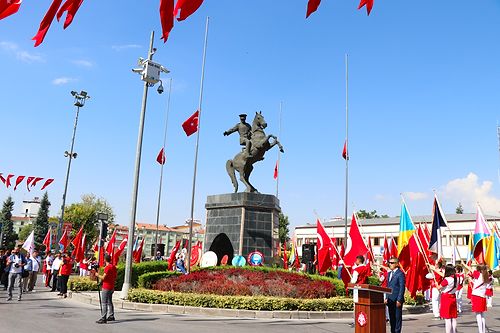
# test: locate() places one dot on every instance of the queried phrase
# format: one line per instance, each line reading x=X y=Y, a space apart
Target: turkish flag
x=46 y=241
x=46 y=22
x=166 y=18
x=195 y=254
x=77 y=244
x=71 y=7
x=19 y=180
x=171 y=258
x=276 y=170
x=387 y=253
x=64 y=240
x=345 y=154
x=9 y=7
x=120 y=250
x=285 y=257
x=394 y=248
x=355 y=244
x=7 y=181
x=190 y=126
x=110 y=248
x=47 y=183
x=312 y=6
x=138 y=253
x=368 y=4
x=324 y=248
x=187 y=7
x=161 y=158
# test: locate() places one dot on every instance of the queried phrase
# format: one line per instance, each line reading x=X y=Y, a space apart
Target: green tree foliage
x=460 y=209
x=9 y=237
x=363 y=214
x=41 y=224
x=25 y=232
x=84 y=214
x=283 y=228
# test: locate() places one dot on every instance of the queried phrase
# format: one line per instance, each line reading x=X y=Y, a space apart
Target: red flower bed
x=244 y=282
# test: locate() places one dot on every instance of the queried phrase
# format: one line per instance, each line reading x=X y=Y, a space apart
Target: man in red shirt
x=108 y=287
x=360 y=271
x=64 y=273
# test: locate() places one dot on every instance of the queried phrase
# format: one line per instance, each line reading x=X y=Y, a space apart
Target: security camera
x=160 y=89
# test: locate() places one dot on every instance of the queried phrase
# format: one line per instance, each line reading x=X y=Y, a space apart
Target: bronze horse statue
x=243 y=163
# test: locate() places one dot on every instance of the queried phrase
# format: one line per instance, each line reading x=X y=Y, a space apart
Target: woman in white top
x=448 y=308
x=480 y=280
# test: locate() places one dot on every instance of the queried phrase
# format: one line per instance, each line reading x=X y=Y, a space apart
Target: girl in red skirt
x=448 y=306
x=480 y=280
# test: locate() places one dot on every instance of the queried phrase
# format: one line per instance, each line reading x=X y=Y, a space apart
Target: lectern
x=369 y=307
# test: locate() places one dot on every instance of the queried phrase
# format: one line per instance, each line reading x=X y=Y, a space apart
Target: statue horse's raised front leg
x=276 y=142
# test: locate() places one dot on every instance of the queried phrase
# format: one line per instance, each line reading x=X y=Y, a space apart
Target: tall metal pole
x=196 y=149
x=346 y=143
x=128 y=264
x=161 y=169
x=279 y=153
x=70 y=158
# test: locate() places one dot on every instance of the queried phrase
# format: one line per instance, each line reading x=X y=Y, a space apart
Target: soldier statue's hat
x=243 y=115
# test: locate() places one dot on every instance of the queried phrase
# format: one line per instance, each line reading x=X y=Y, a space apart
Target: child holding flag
x=480 y=279
x=448 y=309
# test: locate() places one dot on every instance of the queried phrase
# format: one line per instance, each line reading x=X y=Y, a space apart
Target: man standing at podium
x=395 y=300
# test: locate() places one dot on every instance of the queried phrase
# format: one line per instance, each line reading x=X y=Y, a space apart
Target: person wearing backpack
x=15 y=265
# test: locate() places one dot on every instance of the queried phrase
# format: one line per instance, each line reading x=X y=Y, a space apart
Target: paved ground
x=43 y=311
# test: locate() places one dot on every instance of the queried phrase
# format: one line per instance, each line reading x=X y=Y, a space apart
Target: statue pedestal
x=240 y=223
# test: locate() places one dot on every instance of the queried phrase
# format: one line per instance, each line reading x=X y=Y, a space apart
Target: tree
x=9 y=237
x=41 y=224
x=85 y=214
x=363 y=214
x=25 y=232
x=460 y=209
x=283 y=228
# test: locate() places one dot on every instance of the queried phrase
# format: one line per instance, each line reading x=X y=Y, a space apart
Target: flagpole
x=161 y=168
x=196 y=149
x=279 y=153
x=346 y=138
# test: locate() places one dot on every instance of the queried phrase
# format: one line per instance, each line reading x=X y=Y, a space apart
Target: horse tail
x=232 y=174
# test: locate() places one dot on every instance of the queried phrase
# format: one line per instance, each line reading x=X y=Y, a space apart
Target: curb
x=92 y=299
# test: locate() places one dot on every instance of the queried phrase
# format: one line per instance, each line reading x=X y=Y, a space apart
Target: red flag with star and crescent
x=187 y=7
x=325 y=247
x=190 y=126
x=9 y=7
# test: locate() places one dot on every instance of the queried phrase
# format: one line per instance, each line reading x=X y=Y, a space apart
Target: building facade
x=456 y=237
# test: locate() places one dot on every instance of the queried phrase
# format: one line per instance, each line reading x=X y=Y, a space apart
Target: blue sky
x=424 y=103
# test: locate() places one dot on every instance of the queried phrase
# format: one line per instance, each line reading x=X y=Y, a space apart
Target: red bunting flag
x=187 y=7
x=276 y=170
x=47 y=183
x=2 y=179
x=19 y=180
x=161 y=158
x=190 y=126
x=37 y=179
x=9 y=7
x=345 y=154
x=28 y=182
x=46 y=22
x=368 y=4
x=46 y=241
x=71 y=7
x=312 y=6
x=7 y=181
x=166 y=18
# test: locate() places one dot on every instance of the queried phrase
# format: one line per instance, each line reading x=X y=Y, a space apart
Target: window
x=376 y=241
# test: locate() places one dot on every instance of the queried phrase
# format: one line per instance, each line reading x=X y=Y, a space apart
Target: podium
x=369 y=307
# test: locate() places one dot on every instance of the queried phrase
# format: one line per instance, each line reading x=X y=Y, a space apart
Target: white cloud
x=380 y=197
x=62 y=80
x=414 y=196
x=125 y=47
x=468 y=191
x=83 y=63
x=20 y=54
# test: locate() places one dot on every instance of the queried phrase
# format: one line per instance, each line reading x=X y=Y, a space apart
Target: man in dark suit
x=395 y=300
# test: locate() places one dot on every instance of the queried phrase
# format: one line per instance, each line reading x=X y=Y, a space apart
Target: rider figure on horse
x=245 y=131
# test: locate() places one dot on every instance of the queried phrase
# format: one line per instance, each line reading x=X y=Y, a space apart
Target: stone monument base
x=240 y=223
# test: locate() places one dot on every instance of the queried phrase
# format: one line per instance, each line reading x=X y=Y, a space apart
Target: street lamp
x=80 y=99
x=150 y=74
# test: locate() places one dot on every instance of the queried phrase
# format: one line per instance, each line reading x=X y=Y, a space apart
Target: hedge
x=148 y=279
x=82 y=284
x=138 y=270
x=240 y=302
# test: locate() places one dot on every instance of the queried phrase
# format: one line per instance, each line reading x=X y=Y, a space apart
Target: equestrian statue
x=256 y=143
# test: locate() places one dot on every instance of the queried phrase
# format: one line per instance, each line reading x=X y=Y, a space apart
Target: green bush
x=148 y=279
x=419 y=299
x=138 y=270
x=82 y=284
x=240 y=302
x=496 y=275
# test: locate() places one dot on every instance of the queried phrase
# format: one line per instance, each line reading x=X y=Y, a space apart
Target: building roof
x=395 y=220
